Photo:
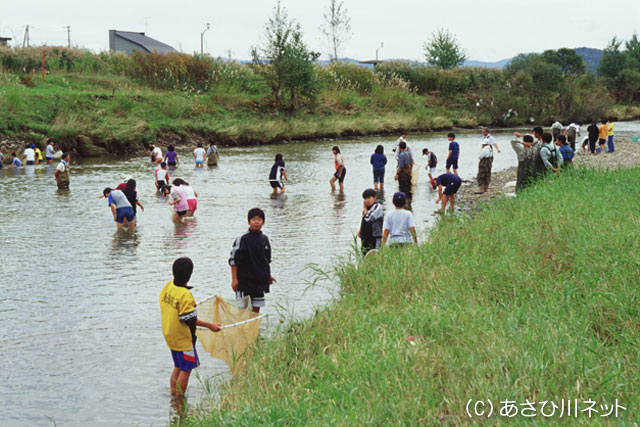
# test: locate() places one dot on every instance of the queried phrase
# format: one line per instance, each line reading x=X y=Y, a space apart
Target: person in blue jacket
x=378 y=160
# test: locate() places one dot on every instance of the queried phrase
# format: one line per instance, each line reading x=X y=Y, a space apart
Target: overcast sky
x=489 y=30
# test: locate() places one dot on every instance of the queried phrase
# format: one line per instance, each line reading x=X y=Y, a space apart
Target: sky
x=488 y=30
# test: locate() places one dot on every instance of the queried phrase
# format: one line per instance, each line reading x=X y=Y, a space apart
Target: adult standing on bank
x=593 y=137
x=610 y=136
x=573 y=130
x=556 y=129
x=61 y=174
x=486 y=160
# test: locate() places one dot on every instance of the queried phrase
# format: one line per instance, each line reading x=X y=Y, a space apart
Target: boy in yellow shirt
x=179 y=321
x=603 y=133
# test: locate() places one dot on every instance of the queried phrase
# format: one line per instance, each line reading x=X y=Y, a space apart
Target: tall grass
x=533 y=298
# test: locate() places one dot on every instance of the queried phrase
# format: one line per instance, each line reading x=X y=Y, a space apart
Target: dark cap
x=255 y=212
x=399 y=199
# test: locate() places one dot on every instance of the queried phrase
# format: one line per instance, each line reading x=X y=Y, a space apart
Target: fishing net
x=240 y=328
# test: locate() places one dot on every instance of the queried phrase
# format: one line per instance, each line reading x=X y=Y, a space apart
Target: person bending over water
x=190 y=194
x=277 y=174
x=120 y=208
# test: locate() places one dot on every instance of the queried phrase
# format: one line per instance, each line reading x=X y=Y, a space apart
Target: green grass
x=531 y=298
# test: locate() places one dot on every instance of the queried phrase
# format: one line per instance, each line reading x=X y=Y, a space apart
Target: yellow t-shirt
x=174 y=302
x=610 y=126
x=604 y=131
x=38 y=154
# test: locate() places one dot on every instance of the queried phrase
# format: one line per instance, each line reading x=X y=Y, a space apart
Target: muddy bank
x=626 y=155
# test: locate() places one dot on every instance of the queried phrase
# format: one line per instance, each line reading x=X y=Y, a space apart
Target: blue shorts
x=378 y=176
x=452 y=162
x=124 y=213
x=199 y=162
x=452 y=188
x=185 y=360
x=341 y=176
x=49 y=158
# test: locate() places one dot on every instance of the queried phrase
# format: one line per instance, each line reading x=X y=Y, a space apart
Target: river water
x=81 y=341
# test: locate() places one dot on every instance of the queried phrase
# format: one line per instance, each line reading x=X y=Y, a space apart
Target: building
x=4 y=41
x=128 y=42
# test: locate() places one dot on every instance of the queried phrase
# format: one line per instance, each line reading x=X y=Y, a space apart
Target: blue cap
x=33 y=145
x=399 y=198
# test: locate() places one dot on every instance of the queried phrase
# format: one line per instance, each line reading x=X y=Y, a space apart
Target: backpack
x=554 y=156
x=567 y=152
x=434 y=160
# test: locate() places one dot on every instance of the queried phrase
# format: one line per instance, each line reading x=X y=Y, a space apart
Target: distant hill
x=590 y=56
x=498 y=64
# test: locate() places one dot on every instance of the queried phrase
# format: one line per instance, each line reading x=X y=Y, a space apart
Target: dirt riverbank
x=626 y=155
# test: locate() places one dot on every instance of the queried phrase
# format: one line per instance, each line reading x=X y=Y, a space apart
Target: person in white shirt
x=50 y=151
x=486 y=160
x=200 y=155
x=156 y=154
x=399 y=226
x=29 y=155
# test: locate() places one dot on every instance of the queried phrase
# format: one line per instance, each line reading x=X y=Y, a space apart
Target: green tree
x=632 y=53
x=567 y=59
x=336 y=27
x=443 y=51
x=612 y=61
x=285 y=62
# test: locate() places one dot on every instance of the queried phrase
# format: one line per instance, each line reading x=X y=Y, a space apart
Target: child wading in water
x=178 y=201
x=161 y=176
x=179 y=321
x=171 y=157
x=277 y=174
x=249 y=261
x=371 y=225
x=341 y=170
x=190 y=194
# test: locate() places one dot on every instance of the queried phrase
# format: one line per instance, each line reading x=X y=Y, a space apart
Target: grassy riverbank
x=532 y=298
x=112 y=103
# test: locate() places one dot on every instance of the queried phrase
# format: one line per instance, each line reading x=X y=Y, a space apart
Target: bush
x=349 y=76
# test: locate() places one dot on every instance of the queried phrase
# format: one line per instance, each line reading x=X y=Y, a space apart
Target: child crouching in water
x=371 y=225
x=179 y=321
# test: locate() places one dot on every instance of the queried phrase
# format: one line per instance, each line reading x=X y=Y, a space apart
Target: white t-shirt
x=61 y=167
x=398 y=222
x=188 y=192
x=31 y=155
x=50 y=151
x=199 y=153
x=487 y=150
x=162 y=175
x=157 y=151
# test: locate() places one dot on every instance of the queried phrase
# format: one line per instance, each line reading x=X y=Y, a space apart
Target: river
x=81 y=338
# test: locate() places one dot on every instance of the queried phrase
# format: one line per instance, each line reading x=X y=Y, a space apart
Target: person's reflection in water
x=339 y=201
x=125 y=242
x=178 y=404
x=278 y=200
x=30 y=170
x=184 y=232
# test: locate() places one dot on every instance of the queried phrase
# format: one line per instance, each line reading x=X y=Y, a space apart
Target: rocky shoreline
x=626 y=155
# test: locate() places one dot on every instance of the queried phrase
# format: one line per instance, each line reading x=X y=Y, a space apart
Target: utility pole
x=25 y=41
x=378 y=49
x=68 y=36
x=202 y=39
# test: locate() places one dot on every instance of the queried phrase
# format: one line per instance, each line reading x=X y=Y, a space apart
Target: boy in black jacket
x=372 y=219
x=249 y=261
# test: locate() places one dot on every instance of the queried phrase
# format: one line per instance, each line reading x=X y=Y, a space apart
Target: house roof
x=147 y=43
x=5 y=38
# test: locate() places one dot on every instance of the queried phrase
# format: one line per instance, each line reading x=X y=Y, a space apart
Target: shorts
x=49 y=159
x=600 y=141
x=193 y=204
x=124 y=213
x=452 y=162
x=452 y=188
x=161 y=183
x=432 y=171
x=171 y=163
x=276 y=184
x=257 y=297
x=378 y=176
x=181 y=213
x=341 y=177
x=199 y=162
x=185 y=360
x=30 y=162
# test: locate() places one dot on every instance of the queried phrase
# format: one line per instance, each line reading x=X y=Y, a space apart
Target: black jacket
x=251 y=253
